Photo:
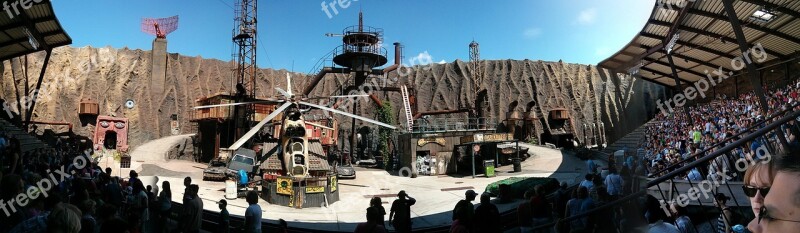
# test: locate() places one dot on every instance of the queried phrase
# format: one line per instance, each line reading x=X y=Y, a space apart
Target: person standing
x=376 y=208
x=614 y=183
x=487 y=216
x=400 y=213
x=164 y=206
x=541 y=211
x=224 y=217
x=464 y=211
x=193 y=210
x=252 y=216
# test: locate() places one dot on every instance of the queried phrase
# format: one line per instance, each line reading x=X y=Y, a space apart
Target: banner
x=333 y=182
x=284 y=186
x=315 y=189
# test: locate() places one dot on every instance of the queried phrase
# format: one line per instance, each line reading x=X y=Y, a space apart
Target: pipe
x=51 y=123
x=321 y=75
x=397 y=60
x=440 y=112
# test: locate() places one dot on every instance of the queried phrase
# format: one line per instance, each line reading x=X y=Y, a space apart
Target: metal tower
x=244 y=39
x=477 y=78
x=474 y=61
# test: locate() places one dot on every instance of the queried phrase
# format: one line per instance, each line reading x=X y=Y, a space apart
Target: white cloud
x=442 y=62
x=587 y=16
x=422 y=58
x=602 y=51
x=532 y=32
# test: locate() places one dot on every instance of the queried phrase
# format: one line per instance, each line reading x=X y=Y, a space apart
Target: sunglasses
x=751 y=191
x=762 y=214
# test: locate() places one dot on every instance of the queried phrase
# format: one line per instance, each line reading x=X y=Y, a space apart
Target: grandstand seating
x=26 y=141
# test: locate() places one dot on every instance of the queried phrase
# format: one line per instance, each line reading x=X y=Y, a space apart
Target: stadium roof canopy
x=29 y=29
x=706 y=38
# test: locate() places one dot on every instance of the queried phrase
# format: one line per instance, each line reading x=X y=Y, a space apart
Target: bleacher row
x=26 y=141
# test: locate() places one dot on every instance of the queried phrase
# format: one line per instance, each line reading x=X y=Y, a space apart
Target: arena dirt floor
x=433 y=207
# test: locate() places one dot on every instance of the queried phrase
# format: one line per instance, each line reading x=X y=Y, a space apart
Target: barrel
x=231 y=191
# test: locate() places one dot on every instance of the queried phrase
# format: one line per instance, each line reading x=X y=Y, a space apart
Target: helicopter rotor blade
x=284 y=93
x=336 y=96
x=235 y=104
x=349 y=115
x=258 y=127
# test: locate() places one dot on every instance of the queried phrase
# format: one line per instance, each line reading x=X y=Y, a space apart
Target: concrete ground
x=433 y=207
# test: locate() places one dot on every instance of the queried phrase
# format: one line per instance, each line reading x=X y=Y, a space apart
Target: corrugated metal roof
x=42 y=24
x=707 y=41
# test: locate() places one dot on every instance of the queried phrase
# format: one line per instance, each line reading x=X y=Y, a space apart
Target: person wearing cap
x=400 y=213
x=465 y=210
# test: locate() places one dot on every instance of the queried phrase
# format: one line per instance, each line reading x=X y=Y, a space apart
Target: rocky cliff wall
x=112 y=76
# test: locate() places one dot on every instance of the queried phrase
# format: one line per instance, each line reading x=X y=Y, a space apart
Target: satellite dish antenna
x=160 y=27
x=130 y=104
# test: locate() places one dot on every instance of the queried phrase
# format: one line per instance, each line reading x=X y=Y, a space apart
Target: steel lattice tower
x=244 y=39
x=477 y=76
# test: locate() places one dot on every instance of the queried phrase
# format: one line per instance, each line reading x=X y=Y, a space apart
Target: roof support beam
x=660 y=73
x=38 y=86
x=680 y=88
x=751 y=68
x=678 y=21
x=690 y=45
x=688 y=58
x=681 y=68
x=751 y=26
x=775 y=7
x=25 y=39
x=712 y=35
x=653 y=80
x=28 y=23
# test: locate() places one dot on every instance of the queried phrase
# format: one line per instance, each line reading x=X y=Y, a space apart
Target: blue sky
x=292 y=31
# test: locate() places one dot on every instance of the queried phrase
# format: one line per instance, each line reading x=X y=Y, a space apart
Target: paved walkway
x=433 y=206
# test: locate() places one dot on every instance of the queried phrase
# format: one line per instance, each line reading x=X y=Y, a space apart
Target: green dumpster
x=489 y=167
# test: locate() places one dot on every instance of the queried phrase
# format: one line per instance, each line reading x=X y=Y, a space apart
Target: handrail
x=757 y=124
x=692 y=165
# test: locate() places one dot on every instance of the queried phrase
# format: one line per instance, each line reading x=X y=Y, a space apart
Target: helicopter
x=293 y=141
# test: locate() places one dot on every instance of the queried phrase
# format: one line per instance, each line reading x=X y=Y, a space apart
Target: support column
x=680 y=88
x=472 y=152
x=38 y=86
x=353 y=153
x=751 y=69
x=786 y=75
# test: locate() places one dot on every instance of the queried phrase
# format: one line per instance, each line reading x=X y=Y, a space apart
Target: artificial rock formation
x=113 y=76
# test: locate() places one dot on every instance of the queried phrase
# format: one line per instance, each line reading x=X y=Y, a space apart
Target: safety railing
x=724 y=186
x=423 y=125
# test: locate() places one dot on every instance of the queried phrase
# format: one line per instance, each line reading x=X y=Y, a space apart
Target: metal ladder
x=407 y=107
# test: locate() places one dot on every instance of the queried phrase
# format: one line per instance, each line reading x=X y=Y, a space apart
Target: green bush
x=519 y=185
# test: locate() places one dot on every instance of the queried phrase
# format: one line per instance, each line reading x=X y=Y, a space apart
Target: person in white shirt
x=614 y=183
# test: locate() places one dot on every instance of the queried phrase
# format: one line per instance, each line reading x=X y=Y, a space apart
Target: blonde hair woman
x=757 y=182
